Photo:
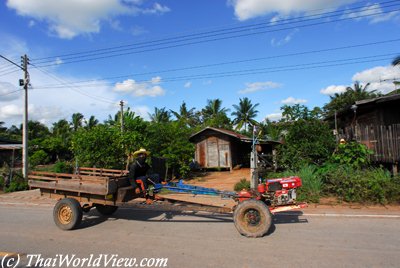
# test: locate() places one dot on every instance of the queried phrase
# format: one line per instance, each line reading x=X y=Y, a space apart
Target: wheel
x=252 y=218
x=67 y=214
x=106 y=209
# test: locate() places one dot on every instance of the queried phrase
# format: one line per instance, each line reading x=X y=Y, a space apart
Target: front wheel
x=67 y=214
x=252 y=218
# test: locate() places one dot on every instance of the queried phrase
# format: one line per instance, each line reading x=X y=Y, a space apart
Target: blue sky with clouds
x=88 y=55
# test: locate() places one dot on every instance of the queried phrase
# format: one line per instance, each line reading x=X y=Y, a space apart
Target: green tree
x=396 y=61
x=307 y=139
x=349 y=97
x=244 y=114
x=100 y=146
x=2 y=127
x=215 y=115
x=160 y=115
x=171 y=141
x=77 y=121
x=92 y=122
x=189 y=117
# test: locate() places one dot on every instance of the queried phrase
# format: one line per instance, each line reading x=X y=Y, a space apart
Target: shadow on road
x=289 y=217
x=93 y=218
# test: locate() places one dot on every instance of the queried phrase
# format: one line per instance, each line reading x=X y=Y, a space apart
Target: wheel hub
x=252 y=217
x=65 y=214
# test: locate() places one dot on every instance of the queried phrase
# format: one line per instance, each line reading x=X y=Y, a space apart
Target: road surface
x=204 y=239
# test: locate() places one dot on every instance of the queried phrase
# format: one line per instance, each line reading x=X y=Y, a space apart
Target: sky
x=87 y=55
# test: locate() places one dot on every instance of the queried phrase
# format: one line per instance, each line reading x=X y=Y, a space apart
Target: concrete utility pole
x=25 y=62
x=25 y=83
x=254 y=162
x=121 y=103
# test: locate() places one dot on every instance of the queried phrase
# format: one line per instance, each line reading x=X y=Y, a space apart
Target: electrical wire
x=241 y=61
x=285 y=68
x=69 y=85
x=9 y=93
x=177 y=42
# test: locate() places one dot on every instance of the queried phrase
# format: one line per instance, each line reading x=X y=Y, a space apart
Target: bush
x=242 y=184
x=63 y=167
x=312 y=184
x=365 y=186
x=38 y=157
x=18 y=183
x=352 y=154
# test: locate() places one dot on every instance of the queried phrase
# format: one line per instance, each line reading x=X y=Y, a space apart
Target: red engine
x=280 y=191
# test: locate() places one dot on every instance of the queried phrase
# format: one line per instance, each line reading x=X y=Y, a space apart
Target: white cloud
x=142 y=111
x=67 y=19
x=247 y=9
x=187 y=85
x=8 y=92
x=142 y=89
x=274 y=116
x=157 y=8
x=380 y=78
x=285 y=40
x=331 y=90
x=368 y=12
x=291 y=100
x=49 y=105
x=259 y=86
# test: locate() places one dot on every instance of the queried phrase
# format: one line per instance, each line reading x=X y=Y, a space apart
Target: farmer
x=139 y=171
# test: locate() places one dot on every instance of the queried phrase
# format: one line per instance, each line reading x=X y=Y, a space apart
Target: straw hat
x=141 y=151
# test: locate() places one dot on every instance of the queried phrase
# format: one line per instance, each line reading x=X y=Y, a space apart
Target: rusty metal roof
x=229 y=133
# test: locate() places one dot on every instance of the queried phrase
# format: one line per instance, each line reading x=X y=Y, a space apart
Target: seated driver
x=139 y=171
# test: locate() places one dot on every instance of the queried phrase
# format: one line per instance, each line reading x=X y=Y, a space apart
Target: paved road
x=205 y=239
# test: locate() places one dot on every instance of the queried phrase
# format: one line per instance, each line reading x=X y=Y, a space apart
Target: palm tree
x=2 y=128
x=61 y=128
x=396 y=61
x=244 y=114
x=160 y=115
x=92 y=122
x=214 y=115
x=349 y=97
x=77 y=120
x=189 y=117
x=213 y=109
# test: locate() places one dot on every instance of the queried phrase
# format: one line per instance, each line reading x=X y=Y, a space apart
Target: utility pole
x=121 y=103
x=25 y=62
x=25 y=83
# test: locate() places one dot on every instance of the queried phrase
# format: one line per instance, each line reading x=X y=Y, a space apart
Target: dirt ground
x=221 y=180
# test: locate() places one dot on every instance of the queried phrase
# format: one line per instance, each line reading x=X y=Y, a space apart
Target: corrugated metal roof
x=229 y=133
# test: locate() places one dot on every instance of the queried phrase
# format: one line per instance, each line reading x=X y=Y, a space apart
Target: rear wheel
x=106 y=209
x=252 y=218
x=67 y=214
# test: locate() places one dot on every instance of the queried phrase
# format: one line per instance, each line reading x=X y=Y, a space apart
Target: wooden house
x=221 y=148
x=375 y=123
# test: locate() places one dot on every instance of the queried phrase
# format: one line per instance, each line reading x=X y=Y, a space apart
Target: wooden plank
x=74 y=186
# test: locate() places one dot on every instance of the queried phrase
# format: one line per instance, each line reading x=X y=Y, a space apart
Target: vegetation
x=242 y=184
x=308 y=148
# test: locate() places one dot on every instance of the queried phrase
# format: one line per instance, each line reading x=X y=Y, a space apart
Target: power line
x=73 y=87
x=177 y=42
x=285 y=68
x=9 y=93
x=241 y=61
x=313 y=12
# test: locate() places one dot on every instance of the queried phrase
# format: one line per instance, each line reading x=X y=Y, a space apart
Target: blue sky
x=88 y=55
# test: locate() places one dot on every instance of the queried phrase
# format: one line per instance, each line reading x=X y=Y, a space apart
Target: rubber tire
x=106 y=210
x=247 y=229
x=72 y=211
